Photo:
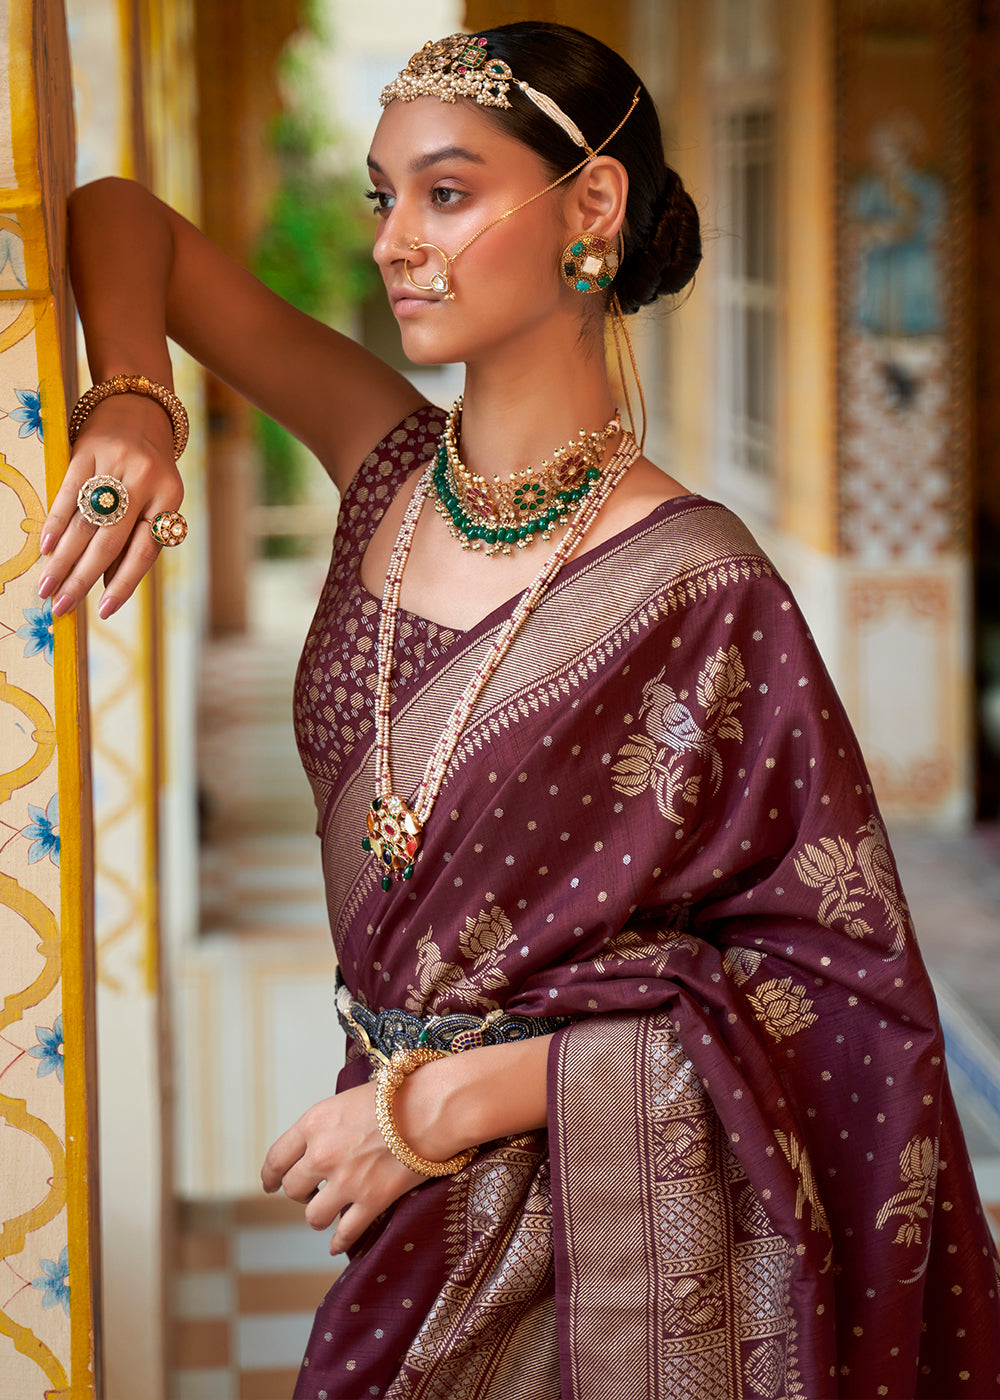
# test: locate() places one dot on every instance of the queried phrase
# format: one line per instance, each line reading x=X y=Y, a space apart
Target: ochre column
x=47 y=1166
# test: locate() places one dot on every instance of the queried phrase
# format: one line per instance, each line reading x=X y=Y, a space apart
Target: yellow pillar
x=133 y=66
x=47 y=1295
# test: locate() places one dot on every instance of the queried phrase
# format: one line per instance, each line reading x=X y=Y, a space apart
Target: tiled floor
x=250 y=1271
x=250 y=1275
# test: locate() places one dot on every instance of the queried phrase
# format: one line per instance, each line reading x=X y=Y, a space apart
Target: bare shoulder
x=644 y=487
x=651 y=484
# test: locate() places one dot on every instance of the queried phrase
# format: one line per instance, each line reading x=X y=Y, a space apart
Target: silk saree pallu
x=657 y=825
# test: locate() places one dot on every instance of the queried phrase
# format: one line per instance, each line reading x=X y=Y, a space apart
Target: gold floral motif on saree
x=798 y=1159
x=481 y=944
x=636 y=945
x=850 y=876
x=742 y=964
x=722 y=1327
x=783 y=1010
x=918 y=1168
x=658 y=759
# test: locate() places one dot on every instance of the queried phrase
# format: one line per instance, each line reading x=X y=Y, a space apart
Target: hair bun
x=667 y=258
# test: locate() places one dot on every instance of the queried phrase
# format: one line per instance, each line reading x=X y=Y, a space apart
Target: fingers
x=126 y=572
x=281 y=1156
x=79 y=553
x=354 y=1221
x=122 y=553
x=303 y=1182
x=83 y=554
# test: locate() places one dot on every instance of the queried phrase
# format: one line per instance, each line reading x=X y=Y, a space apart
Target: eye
x=445 y=197
x=383 y=202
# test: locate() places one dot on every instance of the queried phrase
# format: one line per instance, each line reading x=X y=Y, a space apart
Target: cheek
x=513 y=261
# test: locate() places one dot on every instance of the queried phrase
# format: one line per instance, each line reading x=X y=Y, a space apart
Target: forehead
x=410 y=133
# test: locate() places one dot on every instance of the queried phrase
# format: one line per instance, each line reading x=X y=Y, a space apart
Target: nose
x=390 y=244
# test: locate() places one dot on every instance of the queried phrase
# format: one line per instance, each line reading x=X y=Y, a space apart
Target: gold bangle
x=387 y=1081
x=133 y=384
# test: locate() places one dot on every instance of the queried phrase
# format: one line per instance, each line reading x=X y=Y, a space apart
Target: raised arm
x=142 y=273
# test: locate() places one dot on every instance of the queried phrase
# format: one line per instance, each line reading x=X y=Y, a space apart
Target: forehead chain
x=531 y=198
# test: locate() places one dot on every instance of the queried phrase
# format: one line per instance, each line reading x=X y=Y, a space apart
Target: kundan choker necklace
x=395 y=828
x=494 y=515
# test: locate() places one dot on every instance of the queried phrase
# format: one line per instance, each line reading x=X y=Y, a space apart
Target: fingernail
x=48 y=543
x=62 y=605
x=108 y=606
x=45 y=586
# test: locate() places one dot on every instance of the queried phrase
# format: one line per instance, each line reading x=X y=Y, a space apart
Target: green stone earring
x=589 y=263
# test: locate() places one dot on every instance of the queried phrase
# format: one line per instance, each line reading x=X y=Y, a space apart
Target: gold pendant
x=394 y=836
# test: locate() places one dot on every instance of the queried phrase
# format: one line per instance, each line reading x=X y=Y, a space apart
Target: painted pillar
x=123 y=690
x=133 y=74
x=47 y=1240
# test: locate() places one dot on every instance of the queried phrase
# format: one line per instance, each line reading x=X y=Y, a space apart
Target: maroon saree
x=658 y=824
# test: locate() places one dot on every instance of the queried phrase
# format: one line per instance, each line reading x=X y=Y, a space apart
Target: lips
x=405 y=302
x=399 y=294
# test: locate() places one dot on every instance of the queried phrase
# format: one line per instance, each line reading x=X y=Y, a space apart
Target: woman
x=612 y=846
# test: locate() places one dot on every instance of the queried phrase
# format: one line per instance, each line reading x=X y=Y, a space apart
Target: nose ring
x=440 y=282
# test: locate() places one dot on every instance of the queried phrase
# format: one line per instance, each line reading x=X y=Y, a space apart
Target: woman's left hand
x=334 y=1161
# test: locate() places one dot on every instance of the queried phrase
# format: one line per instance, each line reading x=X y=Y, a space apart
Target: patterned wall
x=135 y=120
x=45 y=1245
x=904 y=328
x=122 y=686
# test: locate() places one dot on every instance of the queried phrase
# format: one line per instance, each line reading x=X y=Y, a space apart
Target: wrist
x=133 y=389
x=431 y=1110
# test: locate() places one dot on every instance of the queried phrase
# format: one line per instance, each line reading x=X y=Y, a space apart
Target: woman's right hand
x=129 y=437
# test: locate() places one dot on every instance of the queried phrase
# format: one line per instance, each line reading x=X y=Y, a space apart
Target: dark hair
x=594 y=86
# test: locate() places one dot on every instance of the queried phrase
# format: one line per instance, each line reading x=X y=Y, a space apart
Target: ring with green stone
x=103 y=500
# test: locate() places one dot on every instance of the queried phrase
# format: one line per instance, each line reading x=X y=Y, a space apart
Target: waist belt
x=380 y=1033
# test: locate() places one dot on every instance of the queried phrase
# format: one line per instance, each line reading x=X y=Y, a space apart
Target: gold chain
x=524 y=203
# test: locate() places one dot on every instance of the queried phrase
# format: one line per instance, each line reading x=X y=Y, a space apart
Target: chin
x=426 y=356
x=431 y=349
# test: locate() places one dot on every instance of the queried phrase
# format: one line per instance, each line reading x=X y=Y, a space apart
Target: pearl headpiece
x=459 y=66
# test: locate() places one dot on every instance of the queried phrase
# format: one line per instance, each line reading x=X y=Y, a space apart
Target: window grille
x=747 y=301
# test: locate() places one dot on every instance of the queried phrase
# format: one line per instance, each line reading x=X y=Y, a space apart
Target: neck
x=519 y=407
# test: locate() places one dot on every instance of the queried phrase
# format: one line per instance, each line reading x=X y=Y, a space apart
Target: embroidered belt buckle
x=381 y=1033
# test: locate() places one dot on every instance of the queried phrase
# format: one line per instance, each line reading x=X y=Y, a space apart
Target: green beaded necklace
x=494 y=516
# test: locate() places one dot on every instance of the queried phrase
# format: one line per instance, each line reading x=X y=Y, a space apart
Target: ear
x=596 y=200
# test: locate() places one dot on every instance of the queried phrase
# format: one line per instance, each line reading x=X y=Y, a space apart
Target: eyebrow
x=425 y=161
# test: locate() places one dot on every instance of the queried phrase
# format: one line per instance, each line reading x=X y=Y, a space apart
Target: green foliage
x=314 y=250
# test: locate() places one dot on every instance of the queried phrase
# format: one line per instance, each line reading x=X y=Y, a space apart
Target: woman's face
x=439 y=173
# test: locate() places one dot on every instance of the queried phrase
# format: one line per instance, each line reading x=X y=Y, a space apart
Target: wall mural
x=899 y=165
x=902 y=403
x=45 y=1346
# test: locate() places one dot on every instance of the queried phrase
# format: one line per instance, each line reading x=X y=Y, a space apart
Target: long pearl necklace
x=395 y=828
